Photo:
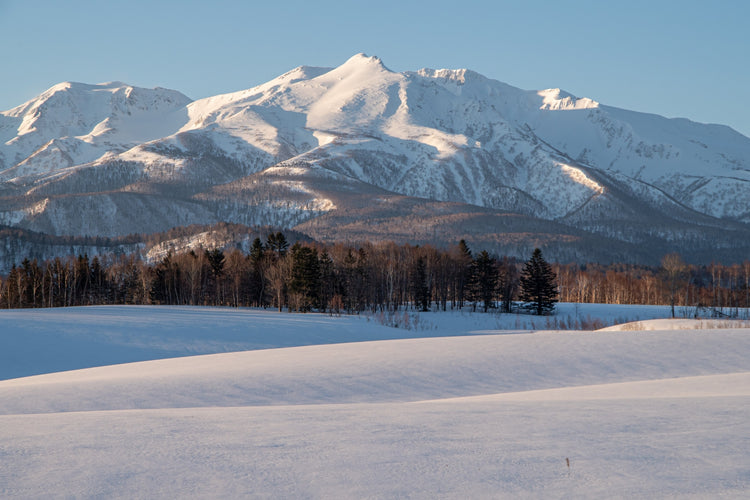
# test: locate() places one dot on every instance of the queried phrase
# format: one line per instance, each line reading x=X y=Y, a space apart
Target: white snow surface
x=460 y=406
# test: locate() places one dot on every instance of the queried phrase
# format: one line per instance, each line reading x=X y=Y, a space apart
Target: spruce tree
x=420 y=287
x=485 y=279
x=538 y=286
x=276 y=242
x=259 y=264
x=507 y=283
x=216 y=260
x=304 y=285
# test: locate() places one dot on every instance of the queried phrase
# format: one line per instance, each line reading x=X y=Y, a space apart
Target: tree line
x=302 y=277
x=336 y=278
x=714 y=289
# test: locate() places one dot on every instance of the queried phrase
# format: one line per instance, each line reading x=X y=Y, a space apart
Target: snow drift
x=504 y=415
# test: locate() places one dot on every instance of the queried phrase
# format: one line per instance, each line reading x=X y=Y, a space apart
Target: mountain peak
x=363 y=58
x=359 y=72
x=363 y=61
x=559 y=100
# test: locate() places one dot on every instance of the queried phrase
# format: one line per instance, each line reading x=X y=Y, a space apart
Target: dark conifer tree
x=355 y=280
x=276 y=242
x=305 y=279
x=485 y=279
x=32 y=277
x=135 y=283
x=419 y=288
x=216 y=261
x=538 y=284
x=256 y=251
x=507 y=284
x=159 y=288
x=82 y=278
x=98 y=282
x=259 y=266
x=15 y=291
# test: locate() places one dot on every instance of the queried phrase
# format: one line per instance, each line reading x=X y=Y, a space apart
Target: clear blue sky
x=674 y=57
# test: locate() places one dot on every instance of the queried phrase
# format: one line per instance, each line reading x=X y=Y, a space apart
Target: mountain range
x=359 y=152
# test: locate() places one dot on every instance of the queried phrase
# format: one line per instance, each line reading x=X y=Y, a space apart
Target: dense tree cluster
x=713 y=288
x=303 y=277
x=342 y=278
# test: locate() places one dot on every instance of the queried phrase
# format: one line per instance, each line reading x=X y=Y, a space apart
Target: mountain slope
x=111 y=159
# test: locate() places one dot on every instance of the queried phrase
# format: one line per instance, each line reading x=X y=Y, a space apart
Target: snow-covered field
x=246 y=403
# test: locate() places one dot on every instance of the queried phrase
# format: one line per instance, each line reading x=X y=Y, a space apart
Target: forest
x=341 y=278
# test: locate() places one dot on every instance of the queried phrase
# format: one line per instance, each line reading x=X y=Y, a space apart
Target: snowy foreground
x=242 y=403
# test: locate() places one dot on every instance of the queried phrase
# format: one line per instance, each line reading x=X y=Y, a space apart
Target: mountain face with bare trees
x=360 y=152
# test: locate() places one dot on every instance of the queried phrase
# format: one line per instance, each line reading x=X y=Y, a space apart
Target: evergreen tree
x=538 y=284
x=507 y=283
x=276 y=242
x=24 y=278
x=159 y=291
x=485 y=279
x=328 y=284
x=98 y=281
x=259 y=266
x=355 y=280
x=82 y=279
x=216 y=260
x=419 y=287
x=257 y=250
x=304 y=285
x=15 y=292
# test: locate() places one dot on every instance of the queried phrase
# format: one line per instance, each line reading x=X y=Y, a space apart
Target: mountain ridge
x=111 y=159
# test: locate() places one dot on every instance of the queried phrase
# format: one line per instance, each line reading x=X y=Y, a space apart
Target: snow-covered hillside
x=112 y=159
x=31 y=341
x=358 y=410
x=74 y=123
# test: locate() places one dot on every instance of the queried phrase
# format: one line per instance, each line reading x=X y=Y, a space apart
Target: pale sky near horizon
x=675 y=58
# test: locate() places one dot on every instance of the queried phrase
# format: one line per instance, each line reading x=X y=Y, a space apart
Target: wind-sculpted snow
x=385 y=371
x=442 y=135
x=38 y=341
x=655 y=409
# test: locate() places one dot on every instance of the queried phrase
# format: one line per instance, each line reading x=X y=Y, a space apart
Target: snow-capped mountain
x=72 y=124
x=318 y=144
